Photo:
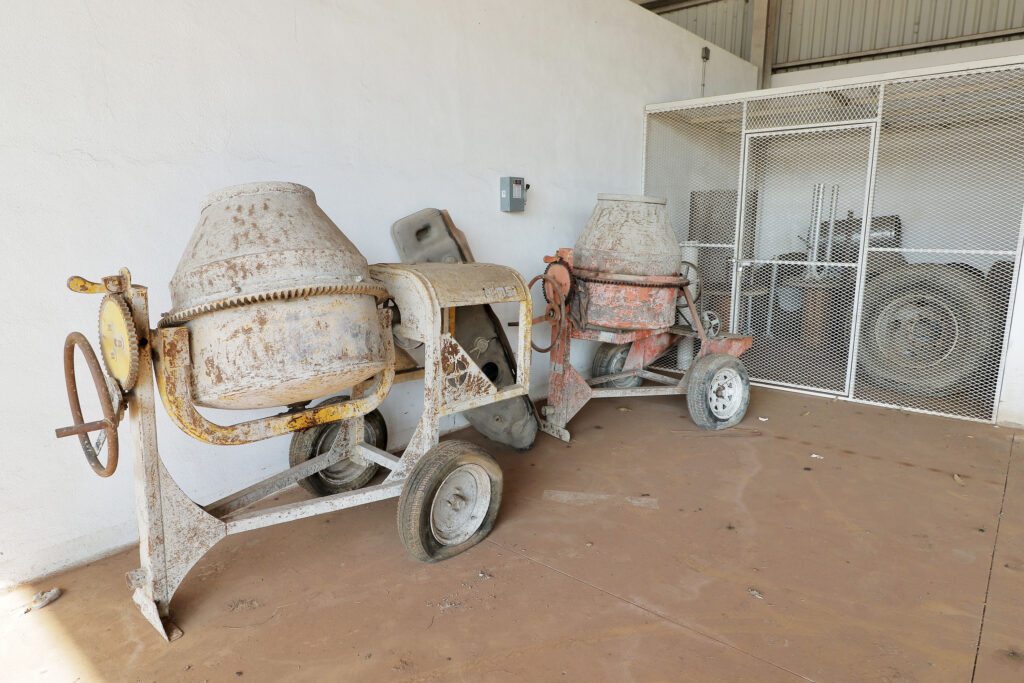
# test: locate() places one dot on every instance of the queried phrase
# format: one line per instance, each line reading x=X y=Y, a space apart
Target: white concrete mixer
x=273 y=306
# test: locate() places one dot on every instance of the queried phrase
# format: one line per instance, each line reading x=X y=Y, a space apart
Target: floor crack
x=992 y=561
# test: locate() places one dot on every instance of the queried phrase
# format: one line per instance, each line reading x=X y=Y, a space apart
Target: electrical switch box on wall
x=513 y=194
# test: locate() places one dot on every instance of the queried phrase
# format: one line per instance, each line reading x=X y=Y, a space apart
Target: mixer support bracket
x=173 y=369
x=174 y=532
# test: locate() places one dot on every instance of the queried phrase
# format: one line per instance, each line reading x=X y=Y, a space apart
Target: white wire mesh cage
x=694 y=166
x=867 y=236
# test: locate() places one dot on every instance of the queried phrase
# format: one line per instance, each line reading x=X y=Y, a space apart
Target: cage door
x=799 y=244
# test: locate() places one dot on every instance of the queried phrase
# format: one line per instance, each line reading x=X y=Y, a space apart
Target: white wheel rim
x=725 y=393
x=460 y=504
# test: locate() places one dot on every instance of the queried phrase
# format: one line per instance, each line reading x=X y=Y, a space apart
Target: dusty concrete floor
x=706 y=556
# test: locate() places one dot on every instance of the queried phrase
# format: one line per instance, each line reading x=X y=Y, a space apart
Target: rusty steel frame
x=175 y=531
x=568 y=391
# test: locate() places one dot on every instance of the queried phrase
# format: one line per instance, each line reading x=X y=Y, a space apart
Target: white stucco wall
x=117 y=118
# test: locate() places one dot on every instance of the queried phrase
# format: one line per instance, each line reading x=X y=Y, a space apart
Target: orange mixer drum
x=626 y=264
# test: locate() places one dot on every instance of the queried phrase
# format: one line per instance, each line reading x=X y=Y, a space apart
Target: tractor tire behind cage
x=926 y=329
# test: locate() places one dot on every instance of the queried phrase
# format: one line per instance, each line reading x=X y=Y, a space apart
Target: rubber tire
x=375 y=432
x=418 y=496
x=698 y=381
x=964 y=293
x=609 y=360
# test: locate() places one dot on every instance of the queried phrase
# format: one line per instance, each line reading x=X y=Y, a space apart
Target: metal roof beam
x=663 y=6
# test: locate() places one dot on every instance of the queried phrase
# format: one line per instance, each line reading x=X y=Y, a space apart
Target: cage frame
x=875 y=126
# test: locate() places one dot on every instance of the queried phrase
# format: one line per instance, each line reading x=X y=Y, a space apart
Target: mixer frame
x=568 y=391
x=175 y=531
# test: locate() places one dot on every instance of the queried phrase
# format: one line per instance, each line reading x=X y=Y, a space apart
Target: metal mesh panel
x=801 y=325
x=809 y=189
x=825 y=106
x=692 y=160
x=951 y=168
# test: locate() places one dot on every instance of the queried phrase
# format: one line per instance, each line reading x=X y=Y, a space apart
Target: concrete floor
x=645 y=550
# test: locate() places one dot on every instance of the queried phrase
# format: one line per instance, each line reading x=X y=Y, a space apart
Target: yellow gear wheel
x=119 y=344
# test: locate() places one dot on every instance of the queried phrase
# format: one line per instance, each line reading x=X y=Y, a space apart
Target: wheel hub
x=460 y=504
x=917 y=331
x=725 y=393
x=341 y=472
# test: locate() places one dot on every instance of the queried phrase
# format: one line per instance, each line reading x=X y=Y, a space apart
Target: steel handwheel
x=111 y=414
x=554 y=314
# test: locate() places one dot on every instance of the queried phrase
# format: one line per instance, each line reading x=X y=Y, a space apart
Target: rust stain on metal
x=461 y=372
x=213 y=372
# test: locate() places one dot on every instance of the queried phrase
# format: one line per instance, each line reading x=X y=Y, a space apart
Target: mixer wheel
x=717 y=391
x=449 y=502
x=347 y=474
x=609 y=360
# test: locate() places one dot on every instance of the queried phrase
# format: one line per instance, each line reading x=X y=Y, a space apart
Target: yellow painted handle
x=77 y=283
x=121 y=282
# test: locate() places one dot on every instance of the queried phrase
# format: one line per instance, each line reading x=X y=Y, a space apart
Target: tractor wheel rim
x=725 y=393
x=917 y=331
x=460 y=504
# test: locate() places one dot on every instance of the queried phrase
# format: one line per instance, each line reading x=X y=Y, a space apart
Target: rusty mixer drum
x=278 y=302
x=627 y=263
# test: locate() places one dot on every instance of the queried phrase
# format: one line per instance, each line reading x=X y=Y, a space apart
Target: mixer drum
x=622 y=262
x=628 y=235
x=279 y=304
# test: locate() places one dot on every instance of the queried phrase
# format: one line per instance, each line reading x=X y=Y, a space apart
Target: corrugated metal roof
x=726 y=23
x=811 y=30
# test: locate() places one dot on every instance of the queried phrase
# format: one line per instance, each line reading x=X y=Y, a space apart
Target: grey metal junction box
x=513 y=194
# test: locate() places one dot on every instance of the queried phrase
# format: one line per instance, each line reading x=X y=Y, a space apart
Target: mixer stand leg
x=567 y=390
x=174 y=532
x=188 y=533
